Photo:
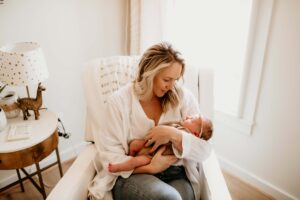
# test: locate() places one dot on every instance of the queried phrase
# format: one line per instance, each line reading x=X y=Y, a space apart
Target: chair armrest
x=74 y=183
x=215 y=185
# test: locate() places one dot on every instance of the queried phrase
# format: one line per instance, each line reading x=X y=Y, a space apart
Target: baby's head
x=199 y=126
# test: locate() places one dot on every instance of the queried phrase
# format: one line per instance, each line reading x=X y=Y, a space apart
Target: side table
x=22 y=153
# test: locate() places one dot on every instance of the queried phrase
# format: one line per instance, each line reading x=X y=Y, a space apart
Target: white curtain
x=144 y=25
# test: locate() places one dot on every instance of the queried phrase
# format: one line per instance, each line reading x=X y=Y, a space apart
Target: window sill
x=241 y=125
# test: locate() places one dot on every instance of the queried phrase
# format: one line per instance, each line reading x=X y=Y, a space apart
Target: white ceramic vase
x=3 y=120
x=9 y=105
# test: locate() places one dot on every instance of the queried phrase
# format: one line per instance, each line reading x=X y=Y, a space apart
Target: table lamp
x=22 y=64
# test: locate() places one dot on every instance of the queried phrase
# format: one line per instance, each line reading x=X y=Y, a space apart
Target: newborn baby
x=198 y=126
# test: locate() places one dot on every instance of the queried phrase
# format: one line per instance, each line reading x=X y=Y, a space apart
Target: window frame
x=257 y=42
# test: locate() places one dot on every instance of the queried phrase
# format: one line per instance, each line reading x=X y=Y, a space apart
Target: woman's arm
x=164 y=134
x=111 y=141
x=158 y=163
x=184 y=145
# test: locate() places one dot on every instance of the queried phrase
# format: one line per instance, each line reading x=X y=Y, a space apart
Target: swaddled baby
x=198 y=126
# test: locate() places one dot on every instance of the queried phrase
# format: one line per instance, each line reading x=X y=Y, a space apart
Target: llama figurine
x=34 y=104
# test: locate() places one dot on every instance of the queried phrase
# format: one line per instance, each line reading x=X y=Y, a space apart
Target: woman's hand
x=162 y=134
x=158 y=163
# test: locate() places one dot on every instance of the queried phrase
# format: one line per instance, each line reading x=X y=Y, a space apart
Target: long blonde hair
x=156 y=58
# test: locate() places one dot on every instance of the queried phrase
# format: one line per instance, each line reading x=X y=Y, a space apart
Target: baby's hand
x=135 y=146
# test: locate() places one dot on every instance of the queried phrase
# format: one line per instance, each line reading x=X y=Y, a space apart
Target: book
x=18 y=132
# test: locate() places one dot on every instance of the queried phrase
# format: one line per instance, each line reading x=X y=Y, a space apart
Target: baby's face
x=193 y=124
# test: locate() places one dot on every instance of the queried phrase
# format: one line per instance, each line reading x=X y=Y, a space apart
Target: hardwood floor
x=50 y=176
x=239 y=190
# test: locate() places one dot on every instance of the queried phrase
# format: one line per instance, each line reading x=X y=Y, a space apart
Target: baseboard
x=254 y=180
x=66 y=154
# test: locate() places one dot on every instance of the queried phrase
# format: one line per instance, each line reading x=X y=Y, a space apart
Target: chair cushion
x=101 y=78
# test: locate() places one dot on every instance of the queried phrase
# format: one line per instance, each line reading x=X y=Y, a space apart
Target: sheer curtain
x=132 y=27
x=144 y=24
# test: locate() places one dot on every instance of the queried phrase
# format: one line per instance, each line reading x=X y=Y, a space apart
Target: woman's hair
x=156 y=58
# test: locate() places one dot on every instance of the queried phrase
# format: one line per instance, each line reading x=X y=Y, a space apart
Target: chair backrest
x=103 y=76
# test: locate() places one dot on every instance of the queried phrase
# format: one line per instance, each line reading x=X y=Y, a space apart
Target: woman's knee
x=168 y=194
x=184 y=188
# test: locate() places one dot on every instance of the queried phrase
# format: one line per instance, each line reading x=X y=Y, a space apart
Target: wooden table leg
x=41 y=180
x=58 y=162
x=20 y=180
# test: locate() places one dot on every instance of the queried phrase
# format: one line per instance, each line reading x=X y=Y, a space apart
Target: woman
x=133 y=113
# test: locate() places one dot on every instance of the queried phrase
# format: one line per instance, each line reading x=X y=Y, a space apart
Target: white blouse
x=125 y=121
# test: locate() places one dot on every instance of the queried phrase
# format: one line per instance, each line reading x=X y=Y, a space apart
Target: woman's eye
x=166 y=80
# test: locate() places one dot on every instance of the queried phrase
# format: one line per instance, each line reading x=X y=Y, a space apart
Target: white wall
x=70 y=32
x=269 y=158
x=73 y=31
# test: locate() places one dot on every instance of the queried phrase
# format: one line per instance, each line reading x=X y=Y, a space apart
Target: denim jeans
x=171 y=184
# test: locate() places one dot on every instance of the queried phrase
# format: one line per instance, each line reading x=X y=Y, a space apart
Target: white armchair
x=101 y=77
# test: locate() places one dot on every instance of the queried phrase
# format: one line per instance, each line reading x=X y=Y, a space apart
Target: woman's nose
x=171 y=85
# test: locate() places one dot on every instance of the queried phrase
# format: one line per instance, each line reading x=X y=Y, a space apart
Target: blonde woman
x=133 y=113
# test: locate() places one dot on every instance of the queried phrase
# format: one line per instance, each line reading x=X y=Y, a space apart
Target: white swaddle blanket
x=105 y=76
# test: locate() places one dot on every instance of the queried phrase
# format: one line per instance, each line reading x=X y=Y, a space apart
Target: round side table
x=42 y=142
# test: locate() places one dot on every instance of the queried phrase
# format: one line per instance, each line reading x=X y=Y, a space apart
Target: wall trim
x=67 y=154
x=254 y=180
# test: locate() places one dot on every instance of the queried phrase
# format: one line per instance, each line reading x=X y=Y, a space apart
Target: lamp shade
x=22 y=64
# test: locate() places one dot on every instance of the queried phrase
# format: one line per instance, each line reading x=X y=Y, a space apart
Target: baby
x=198 y=126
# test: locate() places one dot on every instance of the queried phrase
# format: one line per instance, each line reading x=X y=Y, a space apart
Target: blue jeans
x=171 y=184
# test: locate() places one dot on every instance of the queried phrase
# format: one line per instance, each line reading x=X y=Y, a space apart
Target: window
x=230 y=37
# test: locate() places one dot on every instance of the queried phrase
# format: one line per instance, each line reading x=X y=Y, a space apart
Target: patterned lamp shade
x=22 y=64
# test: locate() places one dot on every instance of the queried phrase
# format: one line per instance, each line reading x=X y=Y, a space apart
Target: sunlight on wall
x=213 y=34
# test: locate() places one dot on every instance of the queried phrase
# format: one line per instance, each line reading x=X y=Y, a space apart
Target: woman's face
x=165 y=79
